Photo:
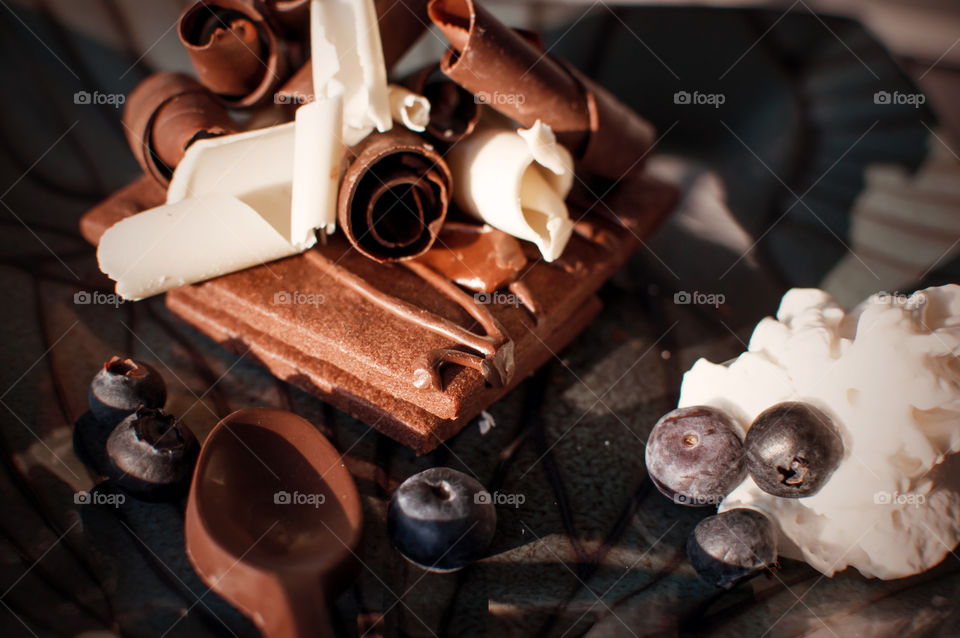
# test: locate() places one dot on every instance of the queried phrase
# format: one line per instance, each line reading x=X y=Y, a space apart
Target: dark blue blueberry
x=152 y=455
x=694 y=455
x=90 y=442
x=441 y=519
x=792 y=449
x=121 y=387
x=730 y=547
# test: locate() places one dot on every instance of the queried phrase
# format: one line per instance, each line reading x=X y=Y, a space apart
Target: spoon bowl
x=273 y=520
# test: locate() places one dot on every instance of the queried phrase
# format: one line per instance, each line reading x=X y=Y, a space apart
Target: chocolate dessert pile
x=416 y=317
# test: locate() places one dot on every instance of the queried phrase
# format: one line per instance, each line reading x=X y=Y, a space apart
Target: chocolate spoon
x=273 y=520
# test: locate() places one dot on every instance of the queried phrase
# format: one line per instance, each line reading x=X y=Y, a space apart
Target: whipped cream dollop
x=888 y=375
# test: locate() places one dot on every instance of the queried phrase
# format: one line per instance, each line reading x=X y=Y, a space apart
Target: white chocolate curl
x=190 y=241
x=409 y=108
x=249 y=165
x=516 y=181
x=347 y=56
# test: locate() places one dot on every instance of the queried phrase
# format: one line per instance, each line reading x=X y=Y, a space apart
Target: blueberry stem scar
x=796 y=473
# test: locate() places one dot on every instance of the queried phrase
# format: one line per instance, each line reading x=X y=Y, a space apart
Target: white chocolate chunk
x=346 y=48
x=190 y=241
x=409 y=108
x=516 y=181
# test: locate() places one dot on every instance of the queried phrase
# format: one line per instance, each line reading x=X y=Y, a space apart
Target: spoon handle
x=300 y=611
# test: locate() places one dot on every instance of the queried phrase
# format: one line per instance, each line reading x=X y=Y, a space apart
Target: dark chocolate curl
x=292 y=15
x=234 y=50
x=454 y=112
x=298 y=89
x=164 y=115
x=402 y=22
x=394 y=195
x=507 y=70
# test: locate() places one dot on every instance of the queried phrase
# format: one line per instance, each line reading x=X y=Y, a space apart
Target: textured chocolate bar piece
x=403 y=347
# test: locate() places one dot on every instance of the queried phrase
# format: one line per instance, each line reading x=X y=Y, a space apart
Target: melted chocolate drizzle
x=498 y=369
x=493 y=356
x=525 y=296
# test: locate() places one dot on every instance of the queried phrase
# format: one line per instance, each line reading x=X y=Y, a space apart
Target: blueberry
x=792 y=449
x=121 y=387
x=441 y=519
x=730 y=547
x=152 y=455
x=694 y=455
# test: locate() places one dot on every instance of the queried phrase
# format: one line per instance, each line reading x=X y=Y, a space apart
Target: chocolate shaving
x=479 y=258
x=292 y=15
x=298 y=89
x=402 y=22
x=508 y=71
x=454 y=112
x=164 y=115
x=234 y=50
x=394 y=195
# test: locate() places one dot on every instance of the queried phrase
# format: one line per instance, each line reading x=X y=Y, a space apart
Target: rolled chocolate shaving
x=454 y=112
x=495 y=63
x=508 y=71
x=620 y=140
x=164 y=115
x=533 y=38
x=292 y=15
x=402 y=22
x=394 y=195
x=234 y=50
x=298 y=89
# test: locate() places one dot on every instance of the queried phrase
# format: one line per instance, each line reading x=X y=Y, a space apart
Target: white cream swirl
x=889 y=375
